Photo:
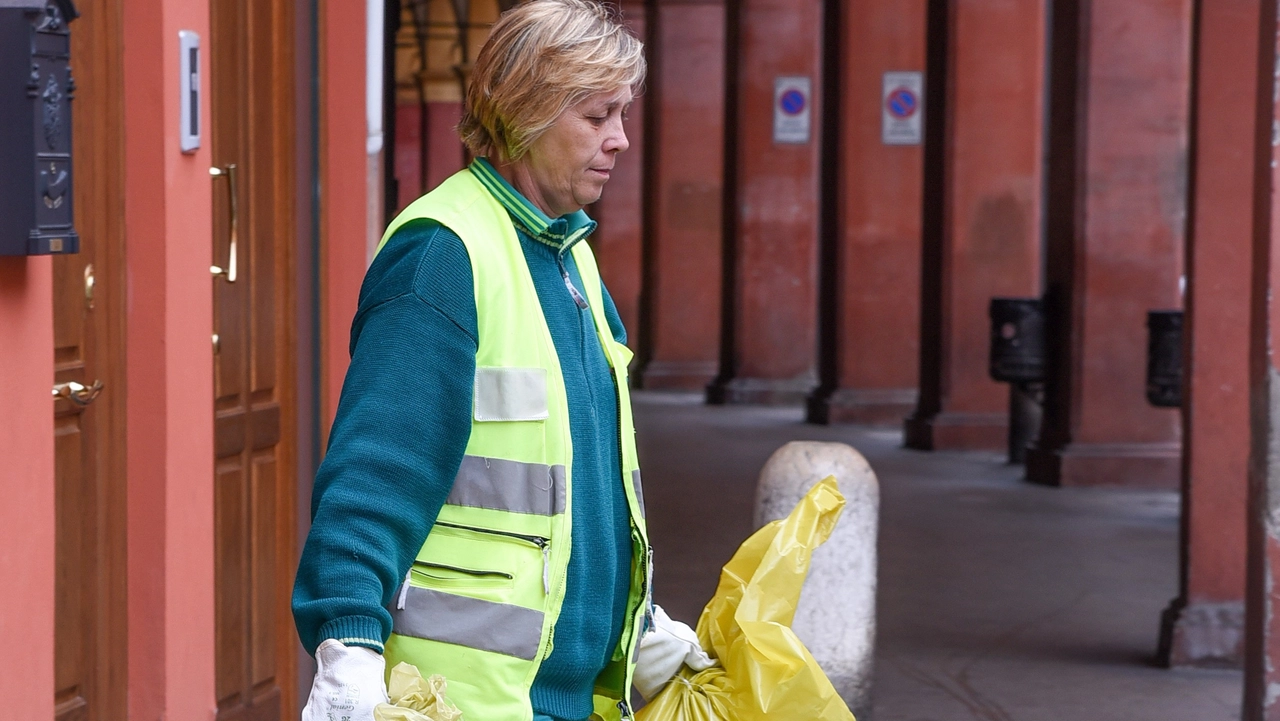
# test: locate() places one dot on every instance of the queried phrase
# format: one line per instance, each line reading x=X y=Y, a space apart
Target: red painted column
x=1204 y=625
x=769 y=349
x=877 y=289
x=408 y=153
x=1117 y=216
x=343 y=178
x=428 y=149
x=619 y=239
x=1262 y=596
x=982 y=208
x=169 y=371
x=444 y=152
x=681 y=303
x=27 y=516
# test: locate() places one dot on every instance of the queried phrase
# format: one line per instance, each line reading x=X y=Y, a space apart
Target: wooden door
x=89 y=602
x=250 y=51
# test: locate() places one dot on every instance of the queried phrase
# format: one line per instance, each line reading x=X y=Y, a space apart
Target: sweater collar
x=561 y=233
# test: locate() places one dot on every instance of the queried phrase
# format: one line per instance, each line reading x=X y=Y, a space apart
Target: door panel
x=90 y=661
x=263 y=485
x=252 y=92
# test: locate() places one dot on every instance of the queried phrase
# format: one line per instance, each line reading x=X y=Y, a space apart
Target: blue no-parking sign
x=792 y=101
x=902 y=101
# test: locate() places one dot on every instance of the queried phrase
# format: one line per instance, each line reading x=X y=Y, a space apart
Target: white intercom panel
x=189 y=65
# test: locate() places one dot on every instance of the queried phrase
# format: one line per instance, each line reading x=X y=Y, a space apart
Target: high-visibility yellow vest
x=481 y=601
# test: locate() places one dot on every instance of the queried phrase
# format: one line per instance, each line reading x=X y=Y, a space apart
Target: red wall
x=686 y=186
x=618 y=241
x=343 y=168
x=1114 y=238
x=417 y=171
x=982 y=210
x=772 y=343
x=876 y=344
x=408 y=154
x=168 y=403
x=26 y=484
x=169 y=406
x=445 y=154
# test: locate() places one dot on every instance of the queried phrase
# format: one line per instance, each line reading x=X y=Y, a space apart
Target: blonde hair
x=541 y=58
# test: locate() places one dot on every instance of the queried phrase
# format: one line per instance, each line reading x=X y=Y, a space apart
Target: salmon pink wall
x=168 y=216
x=342 y=187
x=26 y=484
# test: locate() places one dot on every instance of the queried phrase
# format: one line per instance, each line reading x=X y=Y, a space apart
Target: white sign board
x=902 y=108
x=792 y=110
x=189 y=90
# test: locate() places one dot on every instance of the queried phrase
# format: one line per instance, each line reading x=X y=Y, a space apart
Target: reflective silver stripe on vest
x=502 y=485
x=471 y=622
x=635 y=483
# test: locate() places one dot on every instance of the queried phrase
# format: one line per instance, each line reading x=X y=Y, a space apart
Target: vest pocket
x=486 y=563
x=439 y=575
x=510 y=394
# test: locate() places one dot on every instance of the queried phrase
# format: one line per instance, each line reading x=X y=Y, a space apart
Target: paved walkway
x=998 y=600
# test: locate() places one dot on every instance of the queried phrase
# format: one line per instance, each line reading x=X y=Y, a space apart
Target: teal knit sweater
x=401 y=430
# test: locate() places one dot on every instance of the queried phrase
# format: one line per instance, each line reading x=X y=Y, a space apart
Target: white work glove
x=350 y=681
x=663 y=649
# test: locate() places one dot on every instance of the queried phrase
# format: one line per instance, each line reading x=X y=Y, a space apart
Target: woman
x=479 y=513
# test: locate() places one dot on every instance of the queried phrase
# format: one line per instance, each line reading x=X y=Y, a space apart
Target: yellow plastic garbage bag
x=414 y=698
x=766 y=672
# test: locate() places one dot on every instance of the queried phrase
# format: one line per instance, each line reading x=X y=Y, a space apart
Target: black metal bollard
x=1164 y=358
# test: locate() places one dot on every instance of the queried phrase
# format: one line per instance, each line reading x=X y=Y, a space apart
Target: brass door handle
x=89 y=284
x=229 y=172
x=78 y=393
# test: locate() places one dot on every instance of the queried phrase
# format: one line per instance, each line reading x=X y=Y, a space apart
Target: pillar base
x=761 y=391
x=869 y=406
x=948 y=431
x=1202 y=635
x=677 y=375
x=1133 y=465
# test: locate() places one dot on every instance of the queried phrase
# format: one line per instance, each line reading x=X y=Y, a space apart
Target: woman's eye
x=597 y=119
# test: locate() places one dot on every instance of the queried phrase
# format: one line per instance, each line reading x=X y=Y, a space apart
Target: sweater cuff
x=363 y=631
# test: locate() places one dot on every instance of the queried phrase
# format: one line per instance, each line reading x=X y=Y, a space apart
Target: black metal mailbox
x=1017 y=340
x=36 y=88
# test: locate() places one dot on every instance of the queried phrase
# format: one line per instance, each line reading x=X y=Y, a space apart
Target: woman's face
x=566 y=168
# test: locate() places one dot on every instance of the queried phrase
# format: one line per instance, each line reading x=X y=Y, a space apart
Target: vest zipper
x=467 y=571
x=647 y=601
x=543 y=544
x=573 y=291
x=647 y=580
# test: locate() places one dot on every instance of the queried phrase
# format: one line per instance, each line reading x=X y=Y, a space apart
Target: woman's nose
x=617 y=141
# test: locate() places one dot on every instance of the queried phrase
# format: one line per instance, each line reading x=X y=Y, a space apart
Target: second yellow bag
x=766 y=673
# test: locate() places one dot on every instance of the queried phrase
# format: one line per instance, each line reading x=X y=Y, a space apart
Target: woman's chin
x=591 y=194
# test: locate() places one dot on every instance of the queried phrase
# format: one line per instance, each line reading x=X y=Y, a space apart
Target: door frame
x=290 y=206
x=102 y=229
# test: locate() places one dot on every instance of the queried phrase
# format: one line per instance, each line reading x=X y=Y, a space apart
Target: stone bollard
x=836 y=617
